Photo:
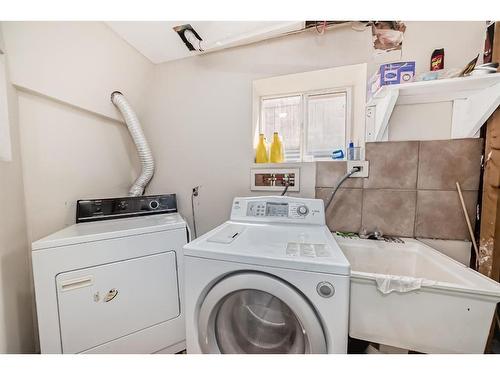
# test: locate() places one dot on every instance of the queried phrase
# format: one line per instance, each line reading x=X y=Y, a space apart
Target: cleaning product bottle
x=276 y=153
x=337 y=154
x=437 y=59
x=350 y=151
x=282 y=150
x=261 y=155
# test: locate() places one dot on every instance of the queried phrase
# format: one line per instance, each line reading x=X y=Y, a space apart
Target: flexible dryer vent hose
x=135 y=129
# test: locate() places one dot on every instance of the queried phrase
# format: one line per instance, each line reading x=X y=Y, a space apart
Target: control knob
x=122 y=205
x=302 y=210
x=154 y=205
x=325 y=289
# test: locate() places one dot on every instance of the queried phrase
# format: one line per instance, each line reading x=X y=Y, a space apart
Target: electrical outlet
x=363 y=164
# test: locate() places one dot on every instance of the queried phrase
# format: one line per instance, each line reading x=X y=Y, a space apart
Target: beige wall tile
x=388 y=200
x=328 y=174
x=393 y=165
x=442 y=163
x=344 y=213
x=440 y=215
x=391 y=211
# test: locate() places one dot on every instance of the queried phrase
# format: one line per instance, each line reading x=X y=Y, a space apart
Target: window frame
x=304 y=95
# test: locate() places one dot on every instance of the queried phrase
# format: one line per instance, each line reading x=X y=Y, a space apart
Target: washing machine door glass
x=253 y=321
x=259 y=314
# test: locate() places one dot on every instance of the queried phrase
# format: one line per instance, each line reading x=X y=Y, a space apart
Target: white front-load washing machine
x=113 y=286
x=272 y=279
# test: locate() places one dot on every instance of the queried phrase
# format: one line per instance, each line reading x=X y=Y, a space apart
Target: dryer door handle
x=71 y=284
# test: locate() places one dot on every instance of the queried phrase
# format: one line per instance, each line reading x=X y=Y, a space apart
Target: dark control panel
x=116 y=208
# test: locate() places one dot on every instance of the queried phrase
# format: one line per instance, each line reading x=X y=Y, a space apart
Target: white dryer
x=270 y=280
x=113 y=286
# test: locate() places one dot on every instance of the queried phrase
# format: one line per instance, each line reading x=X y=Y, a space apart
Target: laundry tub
x=411 y=296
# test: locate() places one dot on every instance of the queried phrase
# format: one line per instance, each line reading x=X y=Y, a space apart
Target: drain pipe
x=135 y=130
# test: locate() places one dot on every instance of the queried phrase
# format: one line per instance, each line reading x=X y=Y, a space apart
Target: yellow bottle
x=261 y=155
x=276 y=153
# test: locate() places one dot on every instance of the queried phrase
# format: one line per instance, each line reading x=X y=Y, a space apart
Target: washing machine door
x=258 y=313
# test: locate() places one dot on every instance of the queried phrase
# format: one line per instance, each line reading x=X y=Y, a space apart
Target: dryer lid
x=103 y=230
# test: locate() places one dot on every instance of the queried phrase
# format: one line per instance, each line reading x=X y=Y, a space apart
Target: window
x=311 y=124
x=315 y=112
x=283 y=115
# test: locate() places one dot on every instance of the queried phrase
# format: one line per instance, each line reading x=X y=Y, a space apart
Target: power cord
x=287 y=184
x=194 y=193
x=323 y=27
x=340 y=182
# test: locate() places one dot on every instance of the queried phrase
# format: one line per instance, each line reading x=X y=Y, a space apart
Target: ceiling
x=160 y=43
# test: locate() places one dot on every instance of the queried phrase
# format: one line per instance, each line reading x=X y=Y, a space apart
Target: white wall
x=429 y=121
x=199 y=114
x=78 y=63
x=69 y=154
x=462 y=41
x=5 y=147
x=16 y=328
x=73 y=141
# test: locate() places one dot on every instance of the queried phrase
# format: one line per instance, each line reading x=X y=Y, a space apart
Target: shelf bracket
x=470 y=113
x=378 y=115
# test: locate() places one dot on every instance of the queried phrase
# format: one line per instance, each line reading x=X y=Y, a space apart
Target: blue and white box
x=396 y=73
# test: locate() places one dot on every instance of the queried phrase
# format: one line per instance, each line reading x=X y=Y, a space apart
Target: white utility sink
x=450 y=309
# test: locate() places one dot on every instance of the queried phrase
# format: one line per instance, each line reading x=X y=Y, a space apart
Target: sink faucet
x=375 y=235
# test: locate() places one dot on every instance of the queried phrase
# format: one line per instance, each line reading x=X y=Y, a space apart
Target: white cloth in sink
x=392 y=283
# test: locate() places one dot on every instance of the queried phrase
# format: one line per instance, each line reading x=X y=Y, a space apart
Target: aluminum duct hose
x=135 y=129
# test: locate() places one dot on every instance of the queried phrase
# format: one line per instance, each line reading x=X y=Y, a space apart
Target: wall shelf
x=474 y=99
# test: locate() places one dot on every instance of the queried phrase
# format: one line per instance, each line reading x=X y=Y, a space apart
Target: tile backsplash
x=393 y=165
x=410 y=190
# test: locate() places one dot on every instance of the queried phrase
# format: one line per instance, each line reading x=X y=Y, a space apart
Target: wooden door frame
x=489 y=239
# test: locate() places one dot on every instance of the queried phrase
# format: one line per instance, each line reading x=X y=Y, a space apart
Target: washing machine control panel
x=278 y=209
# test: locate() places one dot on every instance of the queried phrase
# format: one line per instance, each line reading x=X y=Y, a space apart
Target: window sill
x=291 y=164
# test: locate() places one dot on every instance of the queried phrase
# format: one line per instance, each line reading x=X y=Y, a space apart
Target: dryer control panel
x=279 y=209
x=116 y=208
